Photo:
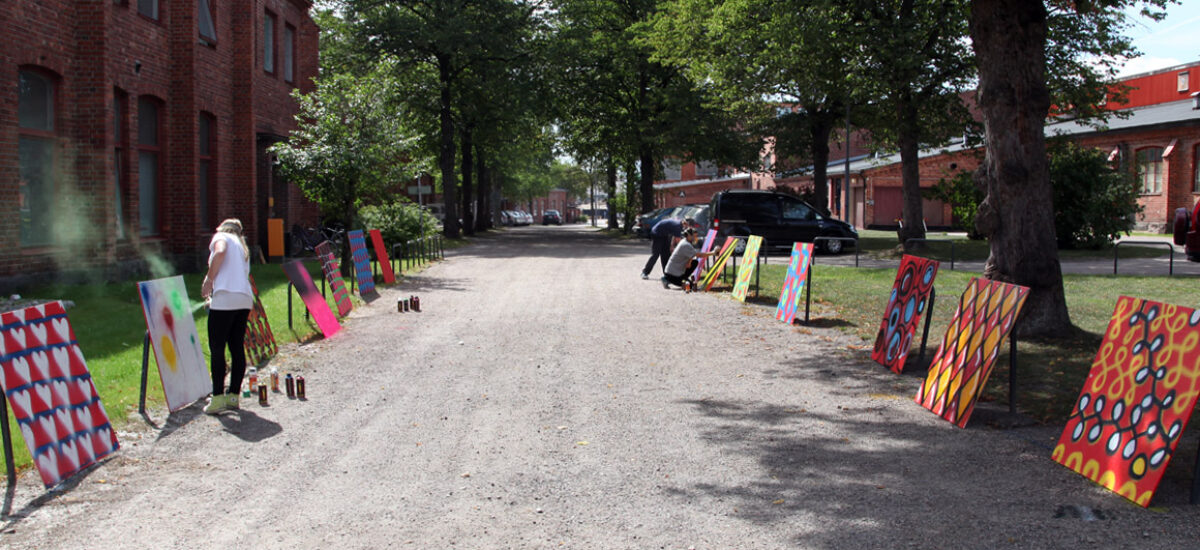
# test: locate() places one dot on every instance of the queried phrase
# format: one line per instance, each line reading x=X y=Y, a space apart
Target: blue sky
x=1172 y=41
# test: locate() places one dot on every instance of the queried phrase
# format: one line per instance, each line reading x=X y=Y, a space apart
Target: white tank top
x=231 y=287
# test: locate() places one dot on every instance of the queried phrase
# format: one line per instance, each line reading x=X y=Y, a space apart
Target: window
x=269 y=43
x=671 y=169
x=148 y=8
x=1196 y=170
x=796 y=210
x=1182 y=82
x=706 y=168
x=206 y=17
x=1150 y=169
x=36 y=156
x=289 y=53
x=119 y=145
x=149 y=151
x=205 y=178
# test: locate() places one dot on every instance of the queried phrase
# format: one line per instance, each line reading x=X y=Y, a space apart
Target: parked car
x=524 y=218
x=551 y=217
x=780 y=219
x=1187 y=232
x=506 y=217
x=646 y=221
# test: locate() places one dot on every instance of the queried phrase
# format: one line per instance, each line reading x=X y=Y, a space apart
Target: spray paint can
x=262 y=394
x=253 y=374
x=400 y=305
x=291 y=386
x=245 y=390
x=274 y=379
x=416 y=303
x=300 y=388
x=406 y=305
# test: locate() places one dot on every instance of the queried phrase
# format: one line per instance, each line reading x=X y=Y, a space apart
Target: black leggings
x=227 y=327
x=677 y=280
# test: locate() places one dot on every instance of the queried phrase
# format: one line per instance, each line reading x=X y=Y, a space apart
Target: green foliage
x=1093 y=203
x=399 y=221
x=963 y=196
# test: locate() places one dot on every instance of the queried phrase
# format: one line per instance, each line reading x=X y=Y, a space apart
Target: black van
x=780 y=219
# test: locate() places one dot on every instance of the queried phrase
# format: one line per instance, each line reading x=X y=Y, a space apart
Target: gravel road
x=547 y=397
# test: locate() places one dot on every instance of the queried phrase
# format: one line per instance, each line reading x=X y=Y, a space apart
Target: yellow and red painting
x=746 y=268
x=1137 y=399
x=719 y=264
x=181 y=364
x=985 y=315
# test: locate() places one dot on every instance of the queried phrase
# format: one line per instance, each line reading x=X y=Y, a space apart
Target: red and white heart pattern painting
x=48 y=386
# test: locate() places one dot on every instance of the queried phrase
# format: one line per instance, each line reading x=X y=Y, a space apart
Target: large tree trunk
x=646 y=183
x=611 y=180
x=446 y=152
x=820 y=129
x=909 y=139
x=467 y=167
x=631 y=195
x=1017 y=214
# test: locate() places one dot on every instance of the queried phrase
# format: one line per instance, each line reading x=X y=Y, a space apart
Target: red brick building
x=129 y=128
x=1159 y=142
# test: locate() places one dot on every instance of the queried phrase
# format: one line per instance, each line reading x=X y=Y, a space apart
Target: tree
x=351 y=134
x=766 y=58
x=1011 y=39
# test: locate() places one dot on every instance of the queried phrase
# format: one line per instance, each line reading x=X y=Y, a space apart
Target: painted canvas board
x=793 y=283
x=746 y=269
x=362 y=262
x=381 y=254
x=906 y=305
x=1137 y=400
x=702 y=261
x=181 y=365
x=333 y=274
x=48 y=386
x=985 y=315
x=298 y=275
x=260 y=341
x=718 y=265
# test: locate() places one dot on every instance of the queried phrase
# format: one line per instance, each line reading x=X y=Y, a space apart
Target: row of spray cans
x=412 y=303
x=295 y=386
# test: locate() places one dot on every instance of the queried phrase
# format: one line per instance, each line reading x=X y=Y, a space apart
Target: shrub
x=963 y=196
x=1093 y=203
x=399 y=221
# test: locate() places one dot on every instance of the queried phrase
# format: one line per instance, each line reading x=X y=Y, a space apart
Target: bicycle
x=304 y=241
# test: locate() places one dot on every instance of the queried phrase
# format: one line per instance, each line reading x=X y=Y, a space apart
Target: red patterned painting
x=1137 y=399
x=906 y=305
x=260 y=341
x=381 y=254
x=333 y=274
x=51 y=393
x=964 y=361
x=298 y=275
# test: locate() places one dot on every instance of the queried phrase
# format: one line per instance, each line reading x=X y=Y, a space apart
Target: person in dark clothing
x=663 y=237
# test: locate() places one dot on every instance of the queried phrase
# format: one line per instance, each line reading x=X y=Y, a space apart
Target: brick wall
x=100 y=52
x=1180 y=167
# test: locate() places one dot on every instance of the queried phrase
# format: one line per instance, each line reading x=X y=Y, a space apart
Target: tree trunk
x=467 y=166
x=820 y=129
x=909 y=139
x=483 y=211
x=646 y=184
x=1017 y=214
x=631 y=195
x=611 y=175
x=446 y=151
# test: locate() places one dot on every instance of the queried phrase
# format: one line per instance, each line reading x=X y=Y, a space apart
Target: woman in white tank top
x=227 y=286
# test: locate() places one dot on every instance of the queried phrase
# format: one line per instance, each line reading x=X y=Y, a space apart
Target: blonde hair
x=233 y=226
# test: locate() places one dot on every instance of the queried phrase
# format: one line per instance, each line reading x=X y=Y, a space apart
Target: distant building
x=130 y=128
x=1159 y=142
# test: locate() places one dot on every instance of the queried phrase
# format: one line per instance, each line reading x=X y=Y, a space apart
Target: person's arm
x=214 y=267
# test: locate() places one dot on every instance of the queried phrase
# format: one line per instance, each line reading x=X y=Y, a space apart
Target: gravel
x=547 y=397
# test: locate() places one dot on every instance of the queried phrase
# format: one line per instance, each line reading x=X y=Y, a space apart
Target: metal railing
x=916 y=240
x=1170 y=247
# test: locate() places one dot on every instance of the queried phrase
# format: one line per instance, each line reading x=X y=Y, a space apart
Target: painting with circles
x=1137 y=398
x=177 y=351
x=906 y=305
x=50 y=391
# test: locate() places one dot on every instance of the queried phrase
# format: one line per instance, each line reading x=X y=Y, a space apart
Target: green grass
x=879 y=244
x=109 y=325
x=1050 y=373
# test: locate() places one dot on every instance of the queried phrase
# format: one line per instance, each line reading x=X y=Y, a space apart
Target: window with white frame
x=1150 y=169
x=37 y=135
x=1182 y=82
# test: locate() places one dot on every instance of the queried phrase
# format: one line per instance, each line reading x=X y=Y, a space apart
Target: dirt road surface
x=547 y=397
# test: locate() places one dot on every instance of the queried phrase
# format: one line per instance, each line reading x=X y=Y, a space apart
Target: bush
x=1093 y=203
x=963 y=196
x=399 y=221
